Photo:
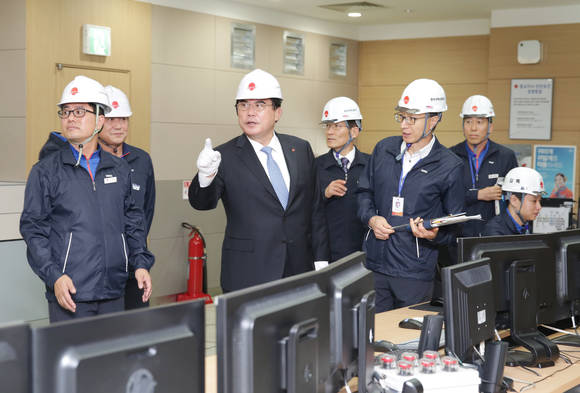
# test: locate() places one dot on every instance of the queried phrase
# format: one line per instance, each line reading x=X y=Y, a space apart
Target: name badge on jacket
x=110 y=179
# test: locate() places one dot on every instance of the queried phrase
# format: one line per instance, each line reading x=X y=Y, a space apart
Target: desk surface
x=555 y=379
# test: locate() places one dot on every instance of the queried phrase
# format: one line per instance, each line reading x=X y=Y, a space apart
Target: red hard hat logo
x=115 y=104
x=325 y=113
x=74 y=91
x=474 y=107
x=406 y=99
x=251 y=86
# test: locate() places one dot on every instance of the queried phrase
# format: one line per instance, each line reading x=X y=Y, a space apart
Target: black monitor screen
x=274 y=337
x=568 y=266
x=15 y=358
x=159 y=349
x=352 y=319
x=469 y=306
x=503 y=251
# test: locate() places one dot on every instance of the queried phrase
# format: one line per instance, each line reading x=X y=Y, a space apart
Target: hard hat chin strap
x=350 y=139
x=522 y=196
x=424 y=134
x=95 y=132
x=112 y=146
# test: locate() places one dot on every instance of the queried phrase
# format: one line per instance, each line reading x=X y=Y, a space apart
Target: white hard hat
x=477 y=106
x=257 y=85
x=523 y=180
x=423 y=96
x=340 y=109
x=83 y=89
x=119 y=103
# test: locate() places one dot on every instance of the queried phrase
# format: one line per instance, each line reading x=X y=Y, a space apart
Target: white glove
x=320 y=265
x=208 y=162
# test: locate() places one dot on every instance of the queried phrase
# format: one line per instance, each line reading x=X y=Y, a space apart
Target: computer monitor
x=274 y=337
x=568 y=267
x=469 y=307
x=350 y=287
x=158 y=349
x=567 y=246
x=503 y=251
x=524 y=277
x=15 y=358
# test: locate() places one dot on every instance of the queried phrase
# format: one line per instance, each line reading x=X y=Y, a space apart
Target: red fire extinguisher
x=196 y=256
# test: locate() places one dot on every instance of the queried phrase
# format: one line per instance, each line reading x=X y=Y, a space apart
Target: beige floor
x=210 y=330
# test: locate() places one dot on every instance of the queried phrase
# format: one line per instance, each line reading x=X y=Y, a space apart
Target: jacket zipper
x=125 y=252
x=67 y=252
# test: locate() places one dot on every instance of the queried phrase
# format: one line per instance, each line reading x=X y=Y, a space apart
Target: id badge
x=398 y=204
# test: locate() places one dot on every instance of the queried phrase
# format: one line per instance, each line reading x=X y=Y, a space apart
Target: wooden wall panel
x=561 y=56
x=54 y=35
x=560 y=60
x=447 y=60
x=459 y=64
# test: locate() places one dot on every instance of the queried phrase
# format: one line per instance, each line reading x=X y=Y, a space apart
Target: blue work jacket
x=432 y=188
x=345 y=231
x=143 y=178
x=497 y=162
x=503 y=225
x=142 y=181
x=87 y=227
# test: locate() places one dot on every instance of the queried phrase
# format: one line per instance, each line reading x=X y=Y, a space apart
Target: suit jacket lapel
x=248 y=156
x=292 y=164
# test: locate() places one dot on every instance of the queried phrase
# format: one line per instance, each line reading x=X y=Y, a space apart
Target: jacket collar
x=462 y=151
x=328 y=160
x=129 y=153
x=68 y=158
x=394 y=149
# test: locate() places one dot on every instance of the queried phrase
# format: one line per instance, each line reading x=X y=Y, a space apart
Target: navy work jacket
x=86 y=227
x=498 y=161
x=432 y=188
x=345 y=230
x=142 y=181
x=503 y=225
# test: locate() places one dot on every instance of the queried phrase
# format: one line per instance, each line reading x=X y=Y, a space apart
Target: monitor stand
x=523 y=323
x=571 y=340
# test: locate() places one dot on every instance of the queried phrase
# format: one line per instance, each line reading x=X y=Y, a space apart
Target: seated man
x=523 y=189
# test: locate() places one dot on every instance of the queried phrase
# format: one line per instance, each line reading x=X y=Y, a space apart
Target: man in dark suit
x=268 y=184
x=338 y=173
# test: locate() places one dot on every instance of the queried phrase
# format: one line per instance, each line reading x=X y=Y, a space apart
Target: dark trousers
x=84 y=309
x=396 y=292
x=134 y=295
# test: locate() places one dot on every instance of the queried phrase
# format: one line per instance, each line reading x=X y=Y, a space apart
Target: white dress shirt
x=349 y=156
x=409 y=160
x=277 y=155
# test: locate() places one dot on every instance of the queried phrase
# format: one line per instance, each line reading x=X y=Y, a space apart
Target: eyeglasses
x=333 y=126
x=77 y=112
x=399 y=118
x=244 y=106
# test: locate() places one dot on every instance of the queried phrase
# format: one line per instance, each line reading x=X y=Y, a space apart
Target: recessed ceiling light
x=354 y=14
x=408 y=11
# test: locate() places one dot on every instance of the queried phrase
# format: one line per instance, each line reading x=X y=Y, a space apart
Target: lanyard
x=402 y=178
x=471 y=155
